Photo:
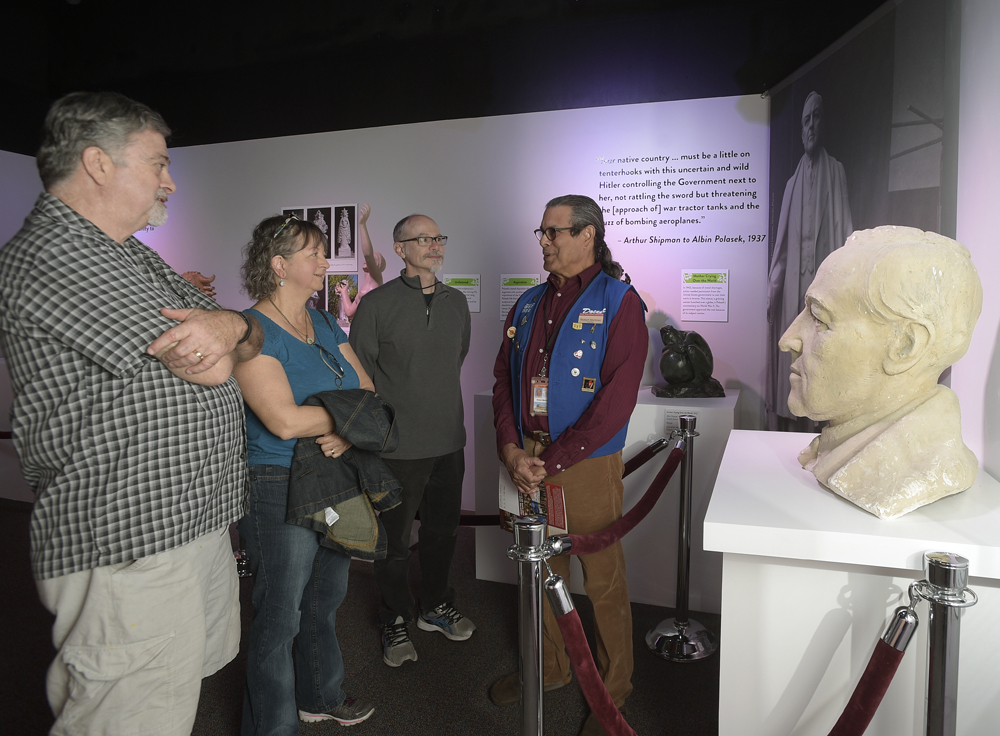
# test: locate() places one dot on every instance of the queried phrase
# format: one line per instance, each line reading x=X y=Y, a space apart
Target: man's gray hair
x=945 y=293
x=584 y=212
x=80 y=120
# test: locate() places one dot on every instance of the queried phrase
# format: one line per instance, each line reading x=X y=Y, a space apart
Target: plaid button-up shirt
x=125 y=459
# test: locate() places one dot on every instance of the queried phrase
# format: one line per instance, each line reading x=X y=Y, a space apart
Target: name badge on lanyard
x=539 y=396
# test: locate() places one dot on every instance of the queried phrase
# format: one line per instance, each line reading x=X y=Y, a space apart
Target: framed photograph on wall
x=321 y=217
x=338 y=286
x=344 y=238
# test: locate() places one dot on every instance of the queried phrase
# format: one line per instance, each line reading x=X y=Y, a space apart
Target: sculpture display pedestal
x=809 y=581
x=650 y=548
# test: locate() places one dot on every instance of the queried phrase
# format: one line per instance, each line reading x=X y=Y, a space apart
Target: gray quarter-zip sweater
x=414 y=351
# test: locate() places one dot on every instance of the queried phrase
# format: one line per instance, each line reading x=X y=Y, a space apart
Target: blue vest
x=567 y=397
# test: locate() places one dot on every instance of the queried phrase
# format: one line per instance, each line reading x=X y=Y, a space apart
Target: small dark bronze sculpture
x=686 y=366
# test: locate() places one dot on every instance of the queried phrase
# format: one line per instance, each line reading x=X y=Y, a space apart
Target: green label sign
x=702 y=277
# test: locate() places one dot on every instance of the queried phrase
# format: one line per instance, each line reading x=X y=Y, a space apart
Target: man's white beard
x=434 y=265
x=158 y=215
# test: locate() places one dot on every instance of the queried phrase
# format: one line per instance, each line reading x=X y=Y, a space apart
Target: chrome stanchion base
x=681 y=642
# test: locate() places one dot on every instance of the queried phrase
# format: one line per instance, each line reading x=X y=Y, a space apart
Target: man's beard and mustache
x=434 y=264
x=158 y=215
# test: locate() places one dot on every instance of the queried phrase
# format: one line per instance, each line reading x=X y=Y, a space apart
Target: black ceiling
x=224 y=71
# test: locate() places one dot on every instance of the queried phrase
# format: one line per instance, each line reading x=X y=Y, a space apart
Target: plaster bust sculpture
x=686 y=365
x=885 y=315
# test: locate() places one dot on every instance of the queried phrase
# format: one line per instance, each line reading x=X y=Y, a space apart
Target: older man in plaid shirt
x=128 y=426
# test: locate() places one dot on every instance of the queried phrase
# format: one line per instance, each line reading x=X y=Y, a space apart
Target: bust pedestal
x=809 y=581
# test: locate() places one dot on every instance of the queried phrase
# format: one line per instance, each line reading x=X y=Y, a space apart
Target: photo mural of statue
x=865 y=136
x=814 y=220
x=886 y=314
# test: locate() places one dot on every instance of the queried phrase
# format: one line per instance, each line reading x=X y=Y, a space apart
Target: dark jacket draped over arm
x=356 y=484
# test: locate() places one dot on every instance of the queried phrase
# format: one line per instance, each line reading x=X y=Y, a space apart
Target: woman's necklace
x=305 y=337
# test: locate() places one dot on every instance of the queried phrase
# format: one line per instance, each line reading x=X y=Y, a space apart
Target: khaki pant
x=134 y=640
x=594 y=490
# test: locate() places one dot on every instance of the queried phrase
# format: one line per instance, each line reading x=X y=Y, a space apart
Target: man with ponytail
x=567 y=378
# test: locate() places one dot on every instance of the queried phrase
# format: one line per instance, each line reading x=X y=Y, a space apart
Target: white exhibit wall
x=19 y=186
x=486 y=181
x=976 y=378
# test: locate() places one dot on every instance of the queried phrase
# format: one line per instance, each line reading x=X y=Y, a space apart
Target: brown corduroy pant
x=594 y=490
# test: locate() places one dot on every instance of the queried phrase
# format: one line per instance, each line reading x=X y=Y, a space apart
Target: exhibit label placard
x=468 y=284
x=512 y=285
x=705 y=295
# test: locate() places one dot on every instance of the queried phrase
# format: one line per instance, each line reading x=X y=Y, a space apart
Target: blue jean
x=298 y=586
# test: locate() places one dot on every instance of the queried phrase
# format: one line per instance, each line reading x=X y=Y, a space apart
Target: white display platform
x=809 y=581
x=650 y=548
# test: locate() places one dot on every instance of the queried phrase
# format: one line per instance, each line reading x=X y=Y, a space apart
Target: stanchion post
x=681 y=639
x=529 y=533
x=947 y=576
x=688 y=423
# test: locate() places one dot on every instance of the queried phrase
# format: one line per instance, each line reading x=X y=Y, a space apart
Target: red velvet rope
x=644 y=456
x=869 y=693
x=601 y=704
x=588 y=544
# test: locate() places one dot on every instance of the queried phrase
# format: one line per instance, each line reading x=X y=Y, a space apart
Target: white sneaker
x=348 y=713
x=396 y=645
x=446 y=619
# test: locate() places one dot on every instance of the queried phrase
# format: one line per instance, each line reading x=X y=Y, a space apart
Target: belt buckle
x=543 y=438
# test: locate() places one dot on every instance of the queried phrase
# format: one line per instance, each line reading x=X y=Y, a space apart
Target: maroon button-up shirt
x=621 y=372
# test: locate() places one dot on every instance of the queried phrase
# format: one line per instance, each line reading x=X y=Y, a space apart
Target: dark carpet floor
x=443 y=693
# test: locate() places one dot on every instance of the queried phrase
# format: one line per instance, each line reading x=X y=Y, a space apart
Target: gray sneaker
x=448 y=621
x=396 y=645
x=348 y=713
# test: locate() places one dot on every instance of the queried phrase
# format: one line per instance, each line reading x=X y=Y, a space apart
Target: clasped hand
x=525 y=471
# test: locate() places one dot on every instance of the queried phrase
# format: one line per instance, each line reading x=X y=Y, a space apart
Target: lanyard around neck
x=550 y=339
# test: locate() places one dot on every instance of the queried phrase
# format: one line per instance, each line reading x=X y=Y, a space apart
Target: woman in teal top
x=299 y=361
x=298 y=584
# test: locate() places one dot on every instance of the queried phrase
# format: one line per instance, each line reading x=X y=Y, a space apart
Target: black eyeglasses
x=288 y=219
x=425 y=240
x=551 y=232
x=338 y=370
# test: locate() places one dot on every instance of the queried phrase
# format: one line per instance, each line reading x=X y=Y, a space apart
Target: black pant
x=433 y=486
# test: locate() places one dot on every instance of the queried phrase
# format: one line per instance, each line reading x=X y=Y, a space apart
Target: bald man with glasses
x=412 y=336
